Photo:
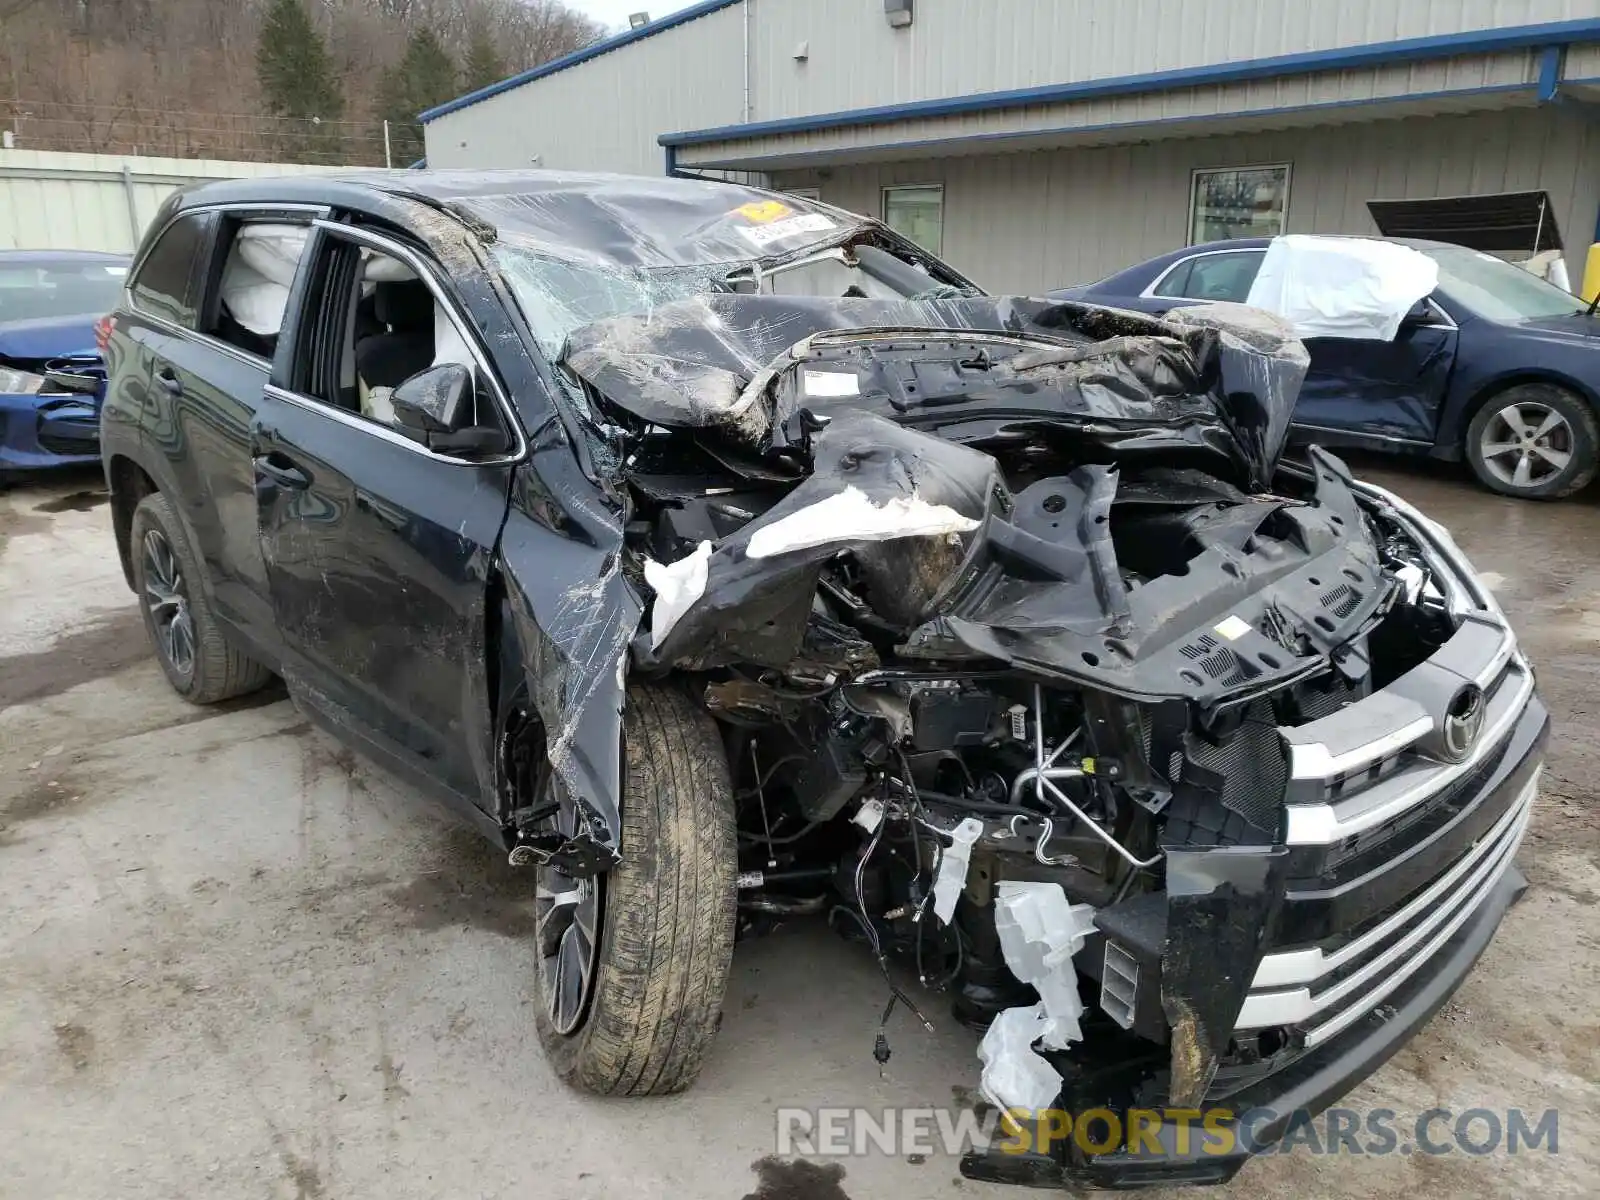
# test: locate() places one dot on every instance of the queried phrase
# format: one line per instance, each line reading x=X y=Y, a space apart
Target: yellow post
x=1591 y=273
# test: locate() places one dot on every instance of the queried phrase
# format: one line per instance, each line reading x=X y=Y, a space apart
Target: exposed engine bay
x=1001 y=605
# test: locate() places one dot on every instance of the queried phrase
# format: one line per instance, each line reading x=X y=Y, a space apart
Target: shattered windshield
x=558 y=296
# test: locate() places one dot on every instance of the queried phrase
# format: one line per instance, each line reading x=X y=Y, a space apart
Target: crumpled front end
x=1036 y=671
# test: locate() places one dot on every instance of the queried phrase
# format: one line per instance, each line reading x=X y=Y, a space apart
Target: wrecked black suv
x=727 y=559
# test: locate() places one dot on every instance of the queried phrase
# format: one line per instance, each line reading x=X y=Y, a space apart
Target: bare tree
x=178 y=77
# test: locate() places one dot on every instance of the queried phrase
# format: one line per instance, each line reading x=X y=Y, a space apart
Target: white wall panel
x=62 y=201
x=605 y=114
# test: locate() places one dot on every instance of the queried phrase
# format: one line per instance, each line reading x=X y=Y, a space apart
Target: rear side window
x=165 y=283
x=1223 y=276
x=252 y=291
x=1176 y=281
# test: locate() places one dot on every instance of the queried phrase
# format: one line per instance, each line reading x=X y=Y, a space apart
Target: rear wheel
x=633 y=963
x=198 y=661
x=1536 y=441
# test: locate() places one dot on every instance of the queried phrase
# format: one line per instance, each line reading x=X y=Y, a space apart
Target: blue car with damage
x=1496 y=368
x=52 y=378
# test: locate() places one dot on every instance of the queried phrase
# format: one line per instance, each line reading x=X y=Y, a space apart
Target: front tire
x=198 y=661
x=643 y=1015
x=1536 y=442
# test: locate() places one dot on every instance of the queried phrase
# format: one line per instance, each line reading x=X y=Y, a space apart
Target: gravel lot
x=235 y=960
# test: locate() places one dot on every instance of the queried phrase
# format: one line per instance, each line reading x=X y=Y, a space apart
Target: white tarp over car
x=1336 y=287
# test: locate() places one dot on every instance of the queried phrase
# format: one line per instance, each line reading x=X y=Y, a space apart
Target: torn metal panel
x=743 y=364
x=756 y=609
x=575 y=614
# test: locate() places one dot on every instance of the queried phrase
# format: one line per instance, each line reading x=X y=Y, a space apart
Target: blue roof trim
x=1372 y=54
x=693 y=12
x=1493 y=89
x=1549 y=73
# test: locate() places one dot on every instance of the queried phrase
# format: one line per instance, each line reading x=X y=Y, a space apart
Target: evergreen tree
x=484 y=64
x=424 y=77
x=297 y=83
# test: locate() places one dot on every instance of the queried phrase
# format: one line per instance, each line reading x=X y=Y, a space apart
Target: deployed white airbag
x=677 y=586
x=1342 y=287
x=849 y=516
x=260 y=271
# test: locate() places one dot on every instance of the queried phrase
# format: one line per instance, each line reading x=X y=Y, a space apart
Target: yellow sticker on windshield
x=764 y=212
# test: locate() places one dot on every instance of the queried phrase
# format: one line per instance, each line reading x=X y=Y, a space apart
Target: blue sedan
x=52 y=379
x=1497 y=367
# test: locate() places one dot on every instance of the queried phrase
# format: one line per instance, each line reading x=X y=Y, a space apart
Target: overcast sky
x=613 y=14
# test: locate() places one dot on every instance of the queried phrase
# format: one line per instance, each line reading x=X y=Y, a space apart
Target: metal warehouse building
x=1041 y=143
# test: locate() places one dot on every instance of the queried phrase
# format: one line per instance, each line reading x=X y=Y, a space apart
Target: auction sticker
x=777 y=231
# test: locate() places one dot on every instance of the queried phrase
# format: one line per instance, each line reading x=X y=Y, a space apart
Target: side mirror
x=438 y=400
x=435 y=407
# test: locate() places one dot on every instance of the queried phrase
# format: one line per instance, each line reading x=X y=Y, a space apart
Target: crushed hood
x=1217 y=377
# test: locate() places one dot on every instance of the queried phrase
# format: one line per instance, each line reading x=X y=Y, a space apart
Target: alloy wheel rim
x=166 y=595
x=568 y=933
x=1525 y=445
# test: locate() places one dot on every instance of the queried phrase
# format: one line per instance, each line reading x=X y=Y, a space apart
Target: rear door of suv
x=203 y=378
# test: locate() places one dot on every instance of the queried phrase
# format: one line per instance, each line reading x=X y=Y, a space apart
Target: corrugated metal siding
x=958 y=48
x=605 y=114
x=62 y=201
x=1583 y=62
x=1034 y=221
x=1466 y=73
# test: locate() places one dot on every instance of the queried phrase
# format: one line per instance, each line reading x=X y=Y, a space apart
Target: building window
x=916 y=213
x=1238 y=202
x=809 y=193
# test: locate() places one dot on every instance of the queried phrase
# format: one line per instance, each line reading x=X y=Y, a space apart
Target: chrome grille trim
x=1327 y=824
x=1443 y=909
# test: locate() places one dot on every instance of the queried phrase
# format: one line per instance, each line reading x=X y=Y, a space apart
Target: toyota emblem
x=1463 y=722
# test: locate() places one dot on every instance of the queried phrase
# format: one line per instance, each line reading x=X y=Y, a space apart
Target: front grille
x=1319 y=992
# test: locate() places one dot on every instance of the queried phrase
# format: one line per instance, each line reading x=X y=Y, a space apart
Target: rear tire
x=198 y=661
x=1535 y=441
x=662 y=964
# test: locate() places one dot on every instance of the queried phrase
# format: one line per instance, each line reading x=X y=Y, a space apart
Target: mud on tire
x=668 y=910
x=215 y=670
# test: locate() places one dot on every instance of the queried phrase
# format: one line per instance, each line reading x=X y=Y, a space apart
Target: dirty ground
x=235 y=960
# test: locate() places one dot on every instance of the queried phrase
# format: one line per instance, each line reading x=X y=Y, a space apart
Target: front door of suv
x=379 y=550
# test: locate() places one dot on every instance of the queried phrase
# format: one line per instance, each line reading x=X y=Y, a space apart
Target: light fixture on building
x=638 y=20
x=898 y=12
x=802 y=52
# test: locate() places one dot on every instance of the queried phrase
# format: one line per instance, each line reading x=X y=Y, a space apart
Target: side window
x=1176 y=280
x=165 y=283
x=1223 y=276
x=251 y=291
x=371 y=323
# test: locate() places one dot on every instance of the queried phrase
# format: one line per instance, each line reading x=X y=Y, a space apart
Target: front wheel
x=1536 y=442
x=632 y=964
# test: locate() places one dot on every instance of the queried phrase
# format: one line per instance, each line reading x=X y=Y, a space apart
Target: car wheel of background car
x=199 y=663
x=1536 y=441
x=634 y=963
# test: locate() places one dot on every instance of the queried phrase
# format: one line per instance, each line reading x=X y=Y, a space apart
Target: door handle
x=169 y=381
x=282 y=472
